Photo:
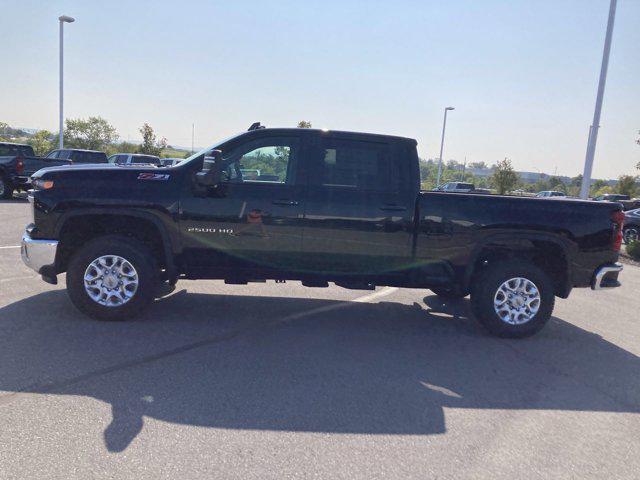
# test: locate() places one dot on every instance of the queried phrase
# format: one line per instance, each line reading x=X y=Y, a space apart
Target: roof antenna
x=255 y=126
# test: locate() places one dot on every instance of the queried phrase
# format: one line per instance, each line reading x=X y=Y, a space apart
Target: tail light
x=618 y=221
x=19 y=165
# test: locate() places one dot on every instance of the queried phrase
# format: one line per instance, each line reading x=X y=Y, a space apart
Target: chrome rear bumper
x=606 y=276
x=38 y=254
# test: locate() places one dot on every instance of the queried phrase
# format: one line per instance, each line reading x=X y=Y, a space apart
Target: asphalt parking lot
x=282 y=381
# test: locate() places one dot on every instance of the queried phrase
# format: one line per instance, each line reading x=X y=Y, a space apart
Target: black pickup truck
x=18 y=162
x=319 y=207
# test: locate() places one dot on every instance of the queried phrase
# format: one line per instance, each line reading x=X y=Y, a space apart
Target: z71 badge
x=154 y=176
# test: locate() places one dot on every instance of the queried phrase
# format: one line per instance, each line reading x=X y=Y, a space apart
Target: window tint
x=64 y=154
x=8 y=150
x=262 y=161
x=53 y=154
x=366 y=166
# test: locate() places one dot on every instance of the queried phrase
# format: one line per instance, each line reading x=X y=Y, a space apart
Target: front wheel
x=112 y=278
x=512 y=299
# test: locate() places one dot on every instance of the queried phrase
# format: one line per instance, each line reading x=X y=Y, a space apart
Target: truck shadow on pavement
x=297 y=364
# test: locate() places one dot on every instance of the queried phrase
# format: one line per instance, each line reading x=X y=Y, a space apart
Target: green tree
x=626 y=185
x=304 y=124
x=478 y=165
x=150 y=144
x=599 y=187
x=504 y=178
x=94 y=133
x=43 y=141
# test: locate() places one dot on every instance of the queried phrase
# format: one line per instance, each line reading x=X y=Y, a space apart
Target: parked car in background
x=627 y=202
x=134 y=159
x=611 y=197
x=340 y=207
x=78 y=155
x=549 y=194
x=631 y=230
x=17 y=163
x=457 y=187
x=632 y=204
x=170 y=162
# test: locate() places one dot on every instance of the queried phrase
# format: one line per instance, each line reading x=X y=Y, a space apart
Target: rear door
x=359 y=209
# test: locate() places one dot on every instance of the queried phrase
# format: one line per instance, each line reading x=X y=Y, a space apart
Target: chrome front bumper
x=38 y=254
x=606 y=276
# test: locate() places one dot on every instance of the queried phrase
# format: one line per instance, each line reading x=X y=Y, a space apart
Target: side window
x=64 y=154
x=358 y=165
x=53 y=154
x=270 y=160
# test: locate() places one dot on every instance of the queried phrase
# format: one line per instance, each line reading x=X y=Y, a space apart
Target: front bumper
x=39 y=255
x=606 y=276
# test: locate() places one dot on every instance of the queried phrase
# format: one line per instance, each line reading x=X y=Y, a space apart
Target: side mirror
x=211 y=173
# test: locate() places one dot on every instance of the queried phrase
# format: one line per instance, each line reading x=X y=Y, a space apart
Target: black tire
x=630 y=234
x=134 y=252
x=449 y=293
x=485 y=287
x=6 y=190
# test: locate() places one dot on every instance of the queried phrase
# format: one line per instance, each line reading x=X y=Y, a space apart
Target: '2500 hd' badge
x=154 y=176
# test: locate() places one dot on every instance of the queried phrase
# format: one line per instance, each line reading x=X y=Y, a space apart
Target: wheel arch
x=76 y=227
x=550 y=252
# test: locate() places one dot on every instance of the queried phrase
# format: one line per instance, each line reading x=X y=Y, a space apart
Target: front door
x=253 y=219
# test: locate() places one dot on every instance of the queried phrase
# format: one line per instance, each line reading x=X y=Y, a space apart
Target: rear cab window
x=356 y=165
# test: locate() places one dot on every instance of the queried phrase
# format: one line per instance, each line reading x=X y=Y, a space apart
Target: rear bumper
x=39 y=255
x=606 y=276
x=20 y=181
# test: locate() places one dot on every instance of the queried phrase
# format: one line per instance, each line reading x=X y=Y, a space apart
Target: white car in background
x=134 y=159
x=550 y=193
x=457 y=187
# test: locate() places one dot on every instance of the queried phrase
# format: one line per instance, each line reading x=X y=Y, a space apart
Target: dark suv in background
x=76 y=155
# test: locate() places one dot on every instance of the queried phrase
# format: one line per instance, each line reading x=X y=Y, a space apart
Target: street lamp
x=62 y=19
x=593 y=129
x=444 y=126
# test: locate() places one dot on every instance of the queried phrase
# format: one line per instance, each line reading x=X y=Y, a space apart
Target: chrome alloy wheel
x=110 y=280
x=631 y=234
x=517 y=301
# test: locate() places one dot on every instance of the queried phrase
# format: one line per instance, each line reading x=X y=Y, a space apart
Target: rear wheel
x=112 y=278
x=512 y=299
x=631 y=234
x=6 y=190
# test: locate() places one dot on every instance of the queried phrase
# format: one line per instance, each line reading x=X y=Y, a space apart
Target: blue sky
x=521 y=74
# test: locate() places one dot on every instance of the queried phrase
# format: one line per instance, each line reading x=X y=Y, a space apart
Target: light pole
x=62 y=19
x=593 y=129
x=444 y=126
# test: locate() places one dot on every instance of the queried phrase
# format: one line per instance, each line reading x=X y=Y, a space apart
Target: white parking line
x=9 y=246
x=327 y=308
x=382 y=293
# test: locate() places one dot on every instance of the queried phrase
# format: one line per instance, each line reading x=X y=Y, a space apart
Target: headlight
x=40 y=184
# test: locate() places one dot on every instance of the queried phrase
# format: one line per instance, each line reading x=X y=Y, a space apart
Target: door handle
x=393 y=208
x=285 y=203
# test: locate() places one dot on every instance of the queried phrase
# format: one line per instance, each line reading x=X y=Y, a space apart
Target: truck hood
x=93 y=167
